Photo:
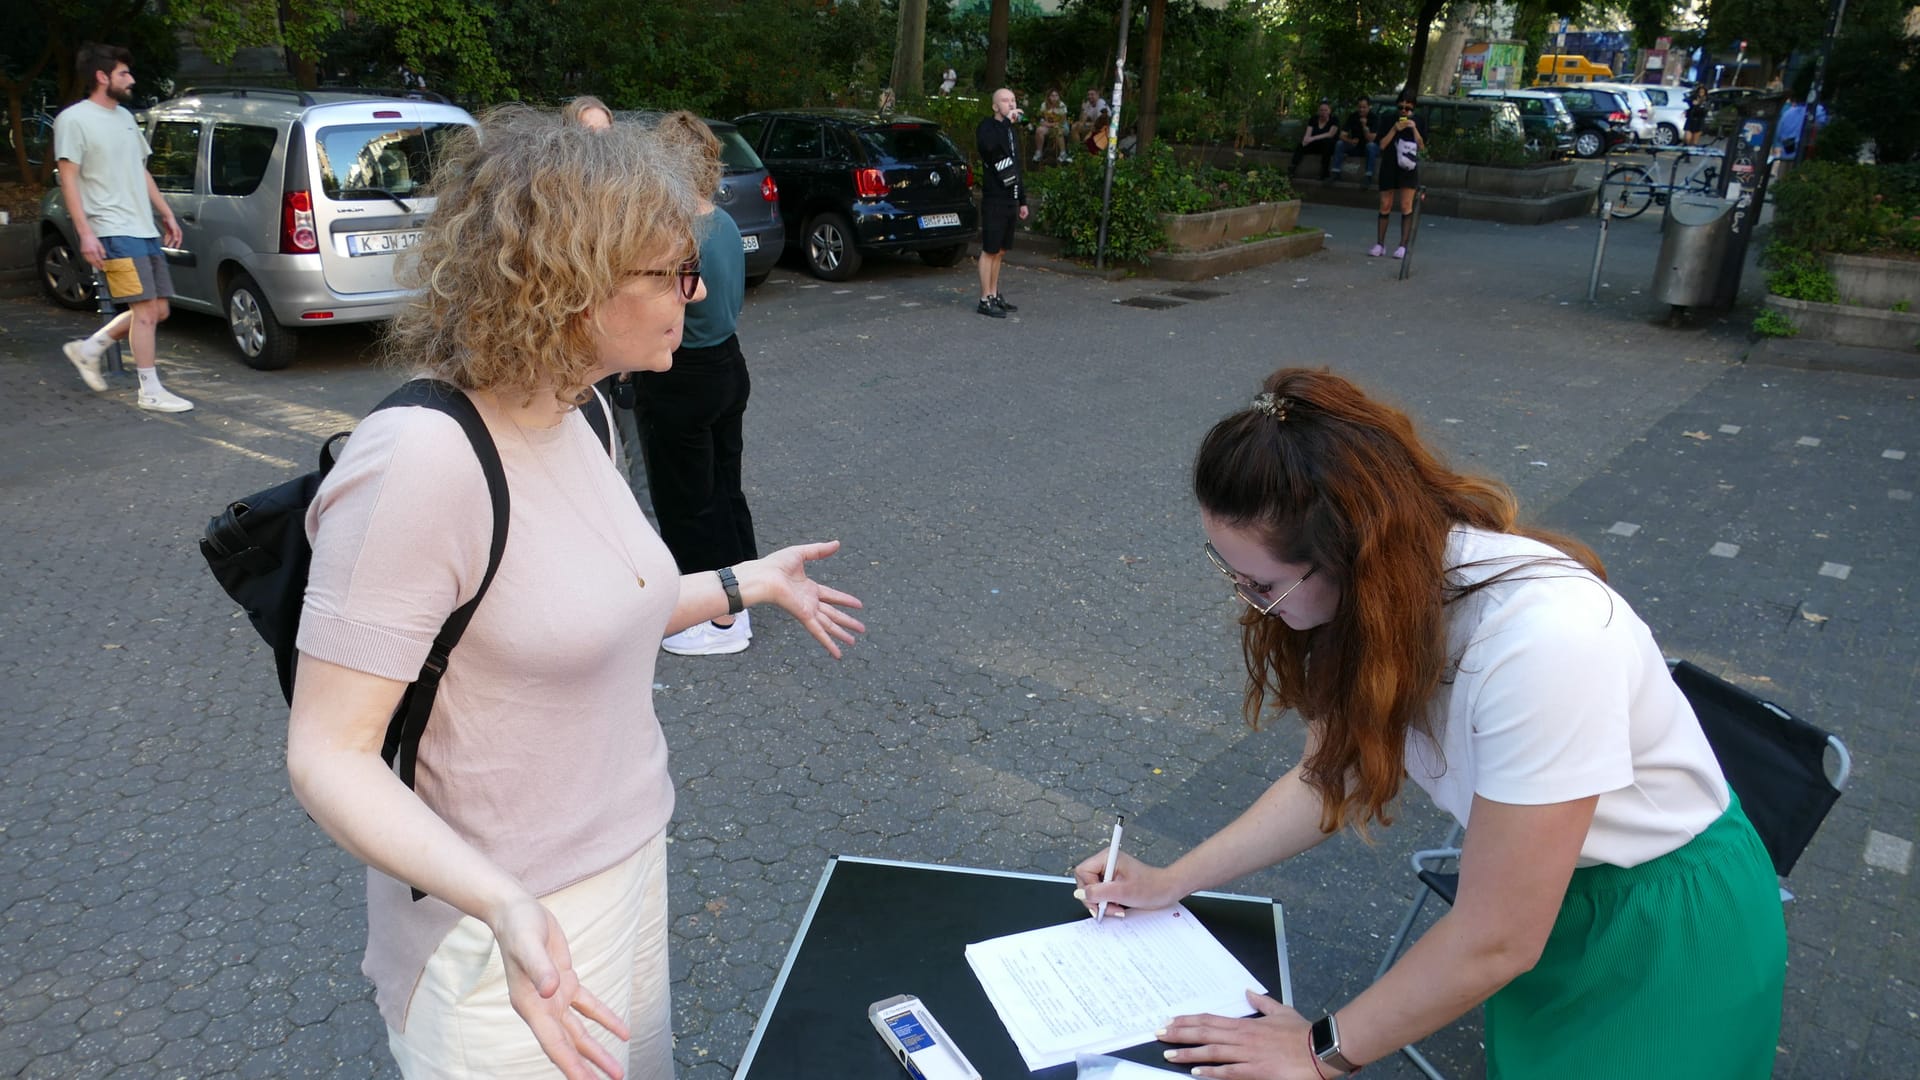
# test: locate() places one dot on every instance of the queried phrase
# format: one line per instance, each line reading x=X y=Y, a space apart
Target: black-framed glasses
x=688 y=272
x=1405 y=107
x=1251 y=592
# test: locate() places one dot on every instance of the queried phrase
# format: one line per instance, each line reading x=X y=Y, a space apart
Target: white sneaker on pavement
x=164 y=401
x=86 y=360
x=1400 y=252
x=705 y=639
x=1376 y=251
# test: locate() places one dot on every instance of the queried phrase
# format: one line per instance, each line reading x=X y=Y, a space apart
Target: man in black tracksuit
x=1003 y=198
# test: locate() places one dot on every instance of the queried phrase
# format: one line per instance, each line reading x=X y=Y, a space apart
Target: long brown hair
x=1334 y=479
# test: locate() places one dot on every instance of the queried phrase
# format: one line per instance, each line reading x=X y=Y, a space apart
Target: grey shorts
x=136 y=269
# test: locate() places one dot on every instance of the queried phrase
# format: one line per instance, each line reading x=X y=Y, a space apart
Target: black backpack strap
x=401 y=747
x=595 y=410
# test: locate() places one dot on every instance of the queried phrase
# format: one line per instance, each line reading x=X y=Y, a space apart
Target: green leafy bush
x=1145 y=186
x=1069 y=200
x=1771 y=323
x=1482 y=148
x=1798 y=274
x=1833 y=207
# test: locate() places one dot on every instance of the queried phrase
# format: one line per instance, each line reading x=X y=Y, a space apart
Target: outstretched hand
x=1274 y=1045
x=781 y=579
x=547 y=994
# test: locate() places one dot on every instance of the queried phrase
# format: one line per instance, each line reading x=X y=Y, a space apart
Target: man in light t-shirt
x=113 y=201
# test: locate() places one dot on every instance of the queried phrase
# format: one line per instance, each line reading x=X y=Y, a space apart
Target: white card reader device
x=918 y=1040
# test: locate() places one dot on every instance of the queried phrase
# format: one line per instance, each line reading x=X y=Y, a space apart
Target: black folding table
x=877 y=928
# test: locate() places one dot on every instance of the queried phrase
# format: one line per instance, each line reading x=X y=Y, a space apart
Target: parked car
x=1669 y=111
x=1600 y=118
x=1726 y=104
x=294 y=207
x=1480 y=116
x=747 y=193
x=1543 y=117
x=853 y=181
x=1639 y=108
x=1555 y=69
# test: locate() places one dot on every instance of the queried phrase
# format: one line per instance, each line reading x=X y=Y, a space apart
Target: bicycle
x=36 y=131
x=1629 y=189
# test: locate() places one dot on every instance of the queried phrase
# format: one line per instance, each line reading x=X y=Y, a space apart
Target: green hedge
x=1839 y=208
x=1144 y=187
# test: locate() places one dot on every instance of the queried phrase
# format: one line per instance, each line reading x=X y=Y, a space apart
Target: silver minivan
x=294 y=207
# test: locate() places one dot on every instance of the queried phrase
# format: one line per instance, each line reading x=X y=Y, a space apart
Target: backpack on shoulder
x=258 y=551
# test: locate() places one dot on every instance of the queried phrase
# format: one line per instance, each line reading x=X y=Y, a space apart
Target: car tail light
x=969 y=174
x=1616 y=117
x=769 y=190
x=870 y=183
x=296 y=225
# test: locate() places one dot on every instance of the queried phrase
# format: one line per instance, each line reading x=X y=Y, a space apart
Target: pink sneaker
x=1400 y=252
x=1376 y=251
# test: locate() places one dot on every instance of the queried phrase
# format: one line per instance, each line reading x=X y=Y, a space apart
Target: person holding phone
x=1616 y=912
x=1400 y=148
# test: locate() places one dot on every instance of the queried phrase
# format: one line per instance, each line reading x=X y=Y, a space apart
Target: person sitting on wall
x=1358 y=132
x=1317 y=140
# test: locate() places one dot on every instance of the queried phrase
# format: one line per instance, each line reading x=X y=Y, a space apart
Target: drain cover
x=1196 y=294
x=1151 y=303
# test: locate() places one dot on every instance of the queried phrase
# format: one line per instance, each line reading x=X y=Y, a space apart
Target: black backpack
x=258 y=551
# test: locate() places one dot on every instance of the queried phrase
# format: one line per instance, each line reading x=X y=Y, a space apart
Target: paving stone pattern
x=1048 y=647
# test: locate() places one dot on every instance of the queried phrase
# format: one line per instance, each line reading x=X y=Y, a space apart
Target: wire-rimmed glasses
x=1253 y=593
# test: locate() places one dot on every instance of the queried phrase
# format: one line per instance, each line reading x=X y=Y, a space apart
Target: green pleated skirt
x=1675 y=967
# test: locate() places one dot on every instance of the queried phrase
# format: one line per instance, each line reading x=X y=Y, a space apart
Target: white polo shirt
x=1559 y=692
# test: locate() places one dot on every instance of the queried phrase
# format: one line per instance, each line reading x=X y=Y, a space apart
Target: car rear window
x=908 y=142
x=372 y=161
x=735 y=154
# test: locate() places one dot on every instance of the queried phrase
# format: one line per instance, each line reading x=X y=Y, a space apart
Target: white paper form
x=1091 y=987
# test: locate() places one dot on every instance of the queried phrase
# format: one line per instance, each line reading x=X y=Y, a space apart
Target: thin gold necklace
x=611 y=536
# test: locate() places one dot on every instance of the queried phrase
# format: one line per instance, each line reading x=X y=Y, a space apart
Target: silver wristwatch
x=1325 y=1038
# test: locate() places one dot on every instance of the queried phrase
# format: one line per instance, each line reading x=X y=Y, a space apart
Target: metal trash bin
x=1694 y=245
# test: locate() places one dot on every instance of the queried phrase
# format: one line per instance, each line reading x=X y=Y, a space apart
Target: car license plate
x=749 y=243
x=939 y=221
x=381 y=243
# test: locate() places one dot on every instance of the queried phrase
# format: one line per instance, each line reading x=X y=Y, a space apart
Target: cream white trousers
x=460 y=1024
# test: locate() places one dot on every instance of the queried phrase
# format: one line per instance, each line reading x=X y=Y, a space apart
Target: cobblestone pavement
x=1047 y=646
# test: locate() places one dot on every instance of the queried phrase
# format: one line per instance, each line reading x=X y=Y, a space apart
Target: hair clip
x=1275 y=407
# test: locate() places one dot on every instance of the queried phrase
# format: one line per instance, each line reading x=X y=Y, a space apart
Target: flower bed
x=1149 y=189
x=1844 y=264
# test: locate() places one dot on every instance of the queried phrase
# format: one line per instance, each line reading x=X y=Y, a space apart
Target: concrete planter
x=1199 y=265
x=1438 y=174
x=1876 y=283
x=1845 y=324
x=1199 y=232
x=1532 y=182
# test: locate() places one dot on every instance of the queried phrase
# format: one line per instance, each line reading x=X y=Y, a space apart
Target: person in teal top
x=691 y=415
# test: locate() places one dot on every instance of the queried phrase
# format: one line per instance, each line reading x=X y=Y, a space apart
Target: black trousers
x=690 y=422
x=1322 y=150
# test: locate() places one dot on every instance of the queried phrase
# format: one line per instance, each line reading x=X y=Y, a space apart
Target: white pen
x=1113 y=852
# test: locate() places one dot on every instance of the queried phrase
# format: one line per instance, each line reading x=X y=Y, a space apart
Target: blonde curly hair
x=536 y=224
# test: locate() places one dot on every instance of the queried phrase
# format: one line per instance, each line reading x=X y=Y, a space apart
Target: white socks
x=149 y=381
x=103 y=337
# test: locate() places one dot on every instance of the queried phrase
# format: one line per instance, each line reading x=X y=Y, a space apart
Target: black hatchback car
x=853 y=181
x=1600 y=118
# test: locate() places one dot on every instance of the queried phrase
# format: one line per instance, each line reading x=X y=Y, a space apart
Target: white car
x=1640 y=119
x=1669 y=111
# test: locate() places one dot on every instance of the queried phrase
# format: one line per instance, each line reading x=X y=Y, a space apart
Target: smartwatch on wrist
x=732 y=586
x=1326 y=1047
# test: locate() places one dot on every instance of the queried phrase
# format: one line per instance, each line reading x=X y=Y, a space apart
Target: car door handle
x=188 y=218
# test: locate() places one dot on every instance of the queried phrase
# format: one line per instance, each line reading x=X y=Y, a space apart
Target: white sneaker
x=86 y=360
x=1400 y=252
x=1376 y=251
x=706 y=639
x=164 y=400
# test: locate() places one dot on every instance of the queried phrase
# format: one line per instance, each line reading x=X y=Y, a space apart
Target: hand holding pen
x=1115 y=881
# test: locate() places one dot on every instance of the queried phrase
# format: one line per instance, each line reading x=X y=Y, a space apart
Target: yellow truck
x=1556 y=69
